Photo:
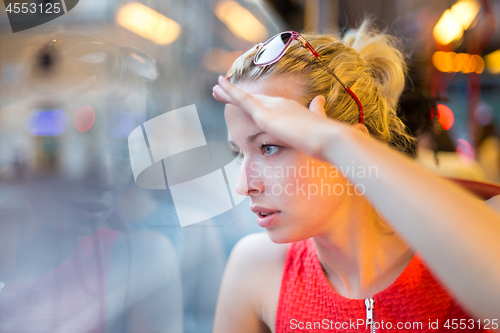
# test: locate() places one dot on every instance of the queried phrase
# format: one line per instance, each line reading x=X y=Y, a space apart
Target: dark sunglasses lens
x=85 y=49
x=139 y=63
x=272 y=49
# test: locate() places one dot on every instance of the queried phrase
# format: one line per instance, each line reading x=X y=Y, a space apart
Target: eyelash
x=261 y=146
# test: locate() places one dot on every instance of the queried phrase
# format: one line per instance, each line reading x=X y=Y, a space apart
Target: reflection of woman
x=346 y=262
x=64 y=268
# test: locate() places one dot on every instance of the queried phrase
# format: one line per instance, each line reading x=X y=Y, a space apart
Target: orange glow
x=473 y=63
x=479 y=64
x=493 y=62
x=437 y=60
x=463 y=62
x=465 y=11
x=446 y=117
x=241 y=21
x=449 y=62
x=447 y=29
x=455 y=21
x=147 y=23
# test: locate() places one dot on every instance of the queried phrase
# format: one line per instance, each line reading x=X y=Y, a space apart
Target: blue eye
x=269 y=149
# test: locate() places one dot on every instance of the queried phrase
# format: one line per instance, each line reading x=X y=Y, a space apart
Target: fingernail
x=221 y=78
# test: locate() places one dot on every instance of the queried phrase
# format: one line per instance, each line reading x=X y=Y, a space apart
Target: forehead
x=240 y=124
x=289 y=87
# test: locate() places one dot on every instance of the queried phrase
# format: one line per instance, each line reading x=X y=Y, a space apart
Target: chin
x=279 y=236
x=85 y=224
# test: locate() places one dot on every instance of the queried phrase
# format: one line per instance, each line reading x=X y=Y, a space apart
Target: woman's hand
x=304 y=129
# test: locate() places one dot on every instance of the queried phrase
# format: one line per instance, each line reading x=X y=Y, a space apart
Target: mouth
x=263 y=210
x=92 y=206
x=92 y=209
x=265 y=216
x=267 y=219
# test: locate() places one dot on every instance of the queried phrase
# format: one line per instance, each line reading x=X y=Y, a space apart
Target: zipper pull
x=369 y=303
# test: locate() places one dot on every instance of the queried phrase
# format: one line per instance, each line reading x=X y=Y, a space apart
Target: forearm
x=456 y=234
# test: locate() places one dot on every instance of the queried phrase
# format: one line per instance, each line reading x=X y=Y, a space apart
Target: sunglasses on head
x=273 y=50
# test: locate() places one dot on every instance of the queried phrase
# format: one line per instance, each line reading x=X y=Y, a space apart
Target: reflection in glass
x=69 y=259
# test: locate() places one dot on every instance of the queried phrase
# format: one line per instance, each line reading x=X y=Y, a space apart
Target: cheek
x=317 y=182
x=122 y=175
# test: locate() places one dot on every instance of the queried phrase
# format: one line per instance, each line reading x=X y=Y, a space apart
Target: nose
x=99 y=173
x=249 y=180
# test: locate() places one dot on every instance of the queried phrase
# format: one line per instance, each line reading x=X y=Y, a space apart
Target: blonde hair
x=366 y=60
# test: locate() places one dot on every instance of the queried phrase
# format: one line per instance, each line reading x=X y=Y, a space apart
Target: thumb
x=318 y=105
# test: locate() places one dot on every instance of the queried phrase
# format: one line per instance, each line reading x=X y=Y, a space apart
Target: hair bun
x=383 y=58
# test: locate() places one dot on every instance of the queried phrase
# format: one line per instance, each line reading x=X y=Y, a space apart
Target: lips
x=259 y=210
x=92 y=206
x=265 y=216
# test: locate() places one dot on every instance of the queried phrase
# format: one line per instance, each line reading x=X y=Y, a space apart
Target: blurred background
x=82 y=247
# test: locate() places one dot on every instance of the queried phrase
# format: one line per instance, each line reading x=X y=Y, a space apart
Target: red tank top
x=414 y=302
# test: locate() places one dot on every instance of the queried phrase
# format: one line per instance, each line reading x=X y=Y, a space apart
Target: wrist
x=334 y=136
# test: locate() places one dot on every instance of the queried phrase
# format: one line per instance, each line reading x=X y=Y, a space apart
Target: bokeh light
x=446 y=117
x=450 y=62
x=483 y=113
x=241 y=21
x=465 y=151
x=455 y=21
x=148 y=23
x=479 y=64
x=84 y=118
x=447 y=29
x=493 y=62
x=48 y=122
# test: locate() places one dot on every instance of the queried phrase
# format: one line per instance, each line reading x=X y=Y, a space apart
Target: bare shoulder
x=259 y=262
x=145 y=246
x=144 y=283
x=250 y=288
x=143 y=254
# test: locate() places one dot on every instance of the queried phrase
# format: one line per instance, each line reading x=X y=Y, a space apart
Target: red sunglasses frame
x=298 y=37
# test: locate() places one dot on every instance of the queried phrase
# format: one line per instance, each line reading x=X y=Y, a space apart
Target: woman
x=63 y=264
x=352 y=257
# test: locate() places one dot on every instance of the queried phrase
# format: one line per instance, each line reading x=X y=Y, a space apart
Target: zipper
x=370 y=316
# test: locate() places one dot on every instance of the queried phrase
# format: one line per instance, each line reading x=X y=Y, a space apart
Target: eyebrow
x=250 y=138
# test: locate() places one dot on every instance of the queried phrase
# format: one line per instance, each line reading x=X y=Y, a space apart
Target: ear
x=362 y=128
x=317 y=105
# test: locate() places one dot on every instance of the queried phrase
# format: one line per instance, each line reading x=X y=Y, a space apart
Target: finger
x=318 y=105
x=241 y=99
x=221 y=96
x=265 y=98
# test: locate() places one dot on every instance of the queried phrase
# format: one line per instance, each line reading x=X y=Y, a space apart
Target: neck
x=366 y=256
